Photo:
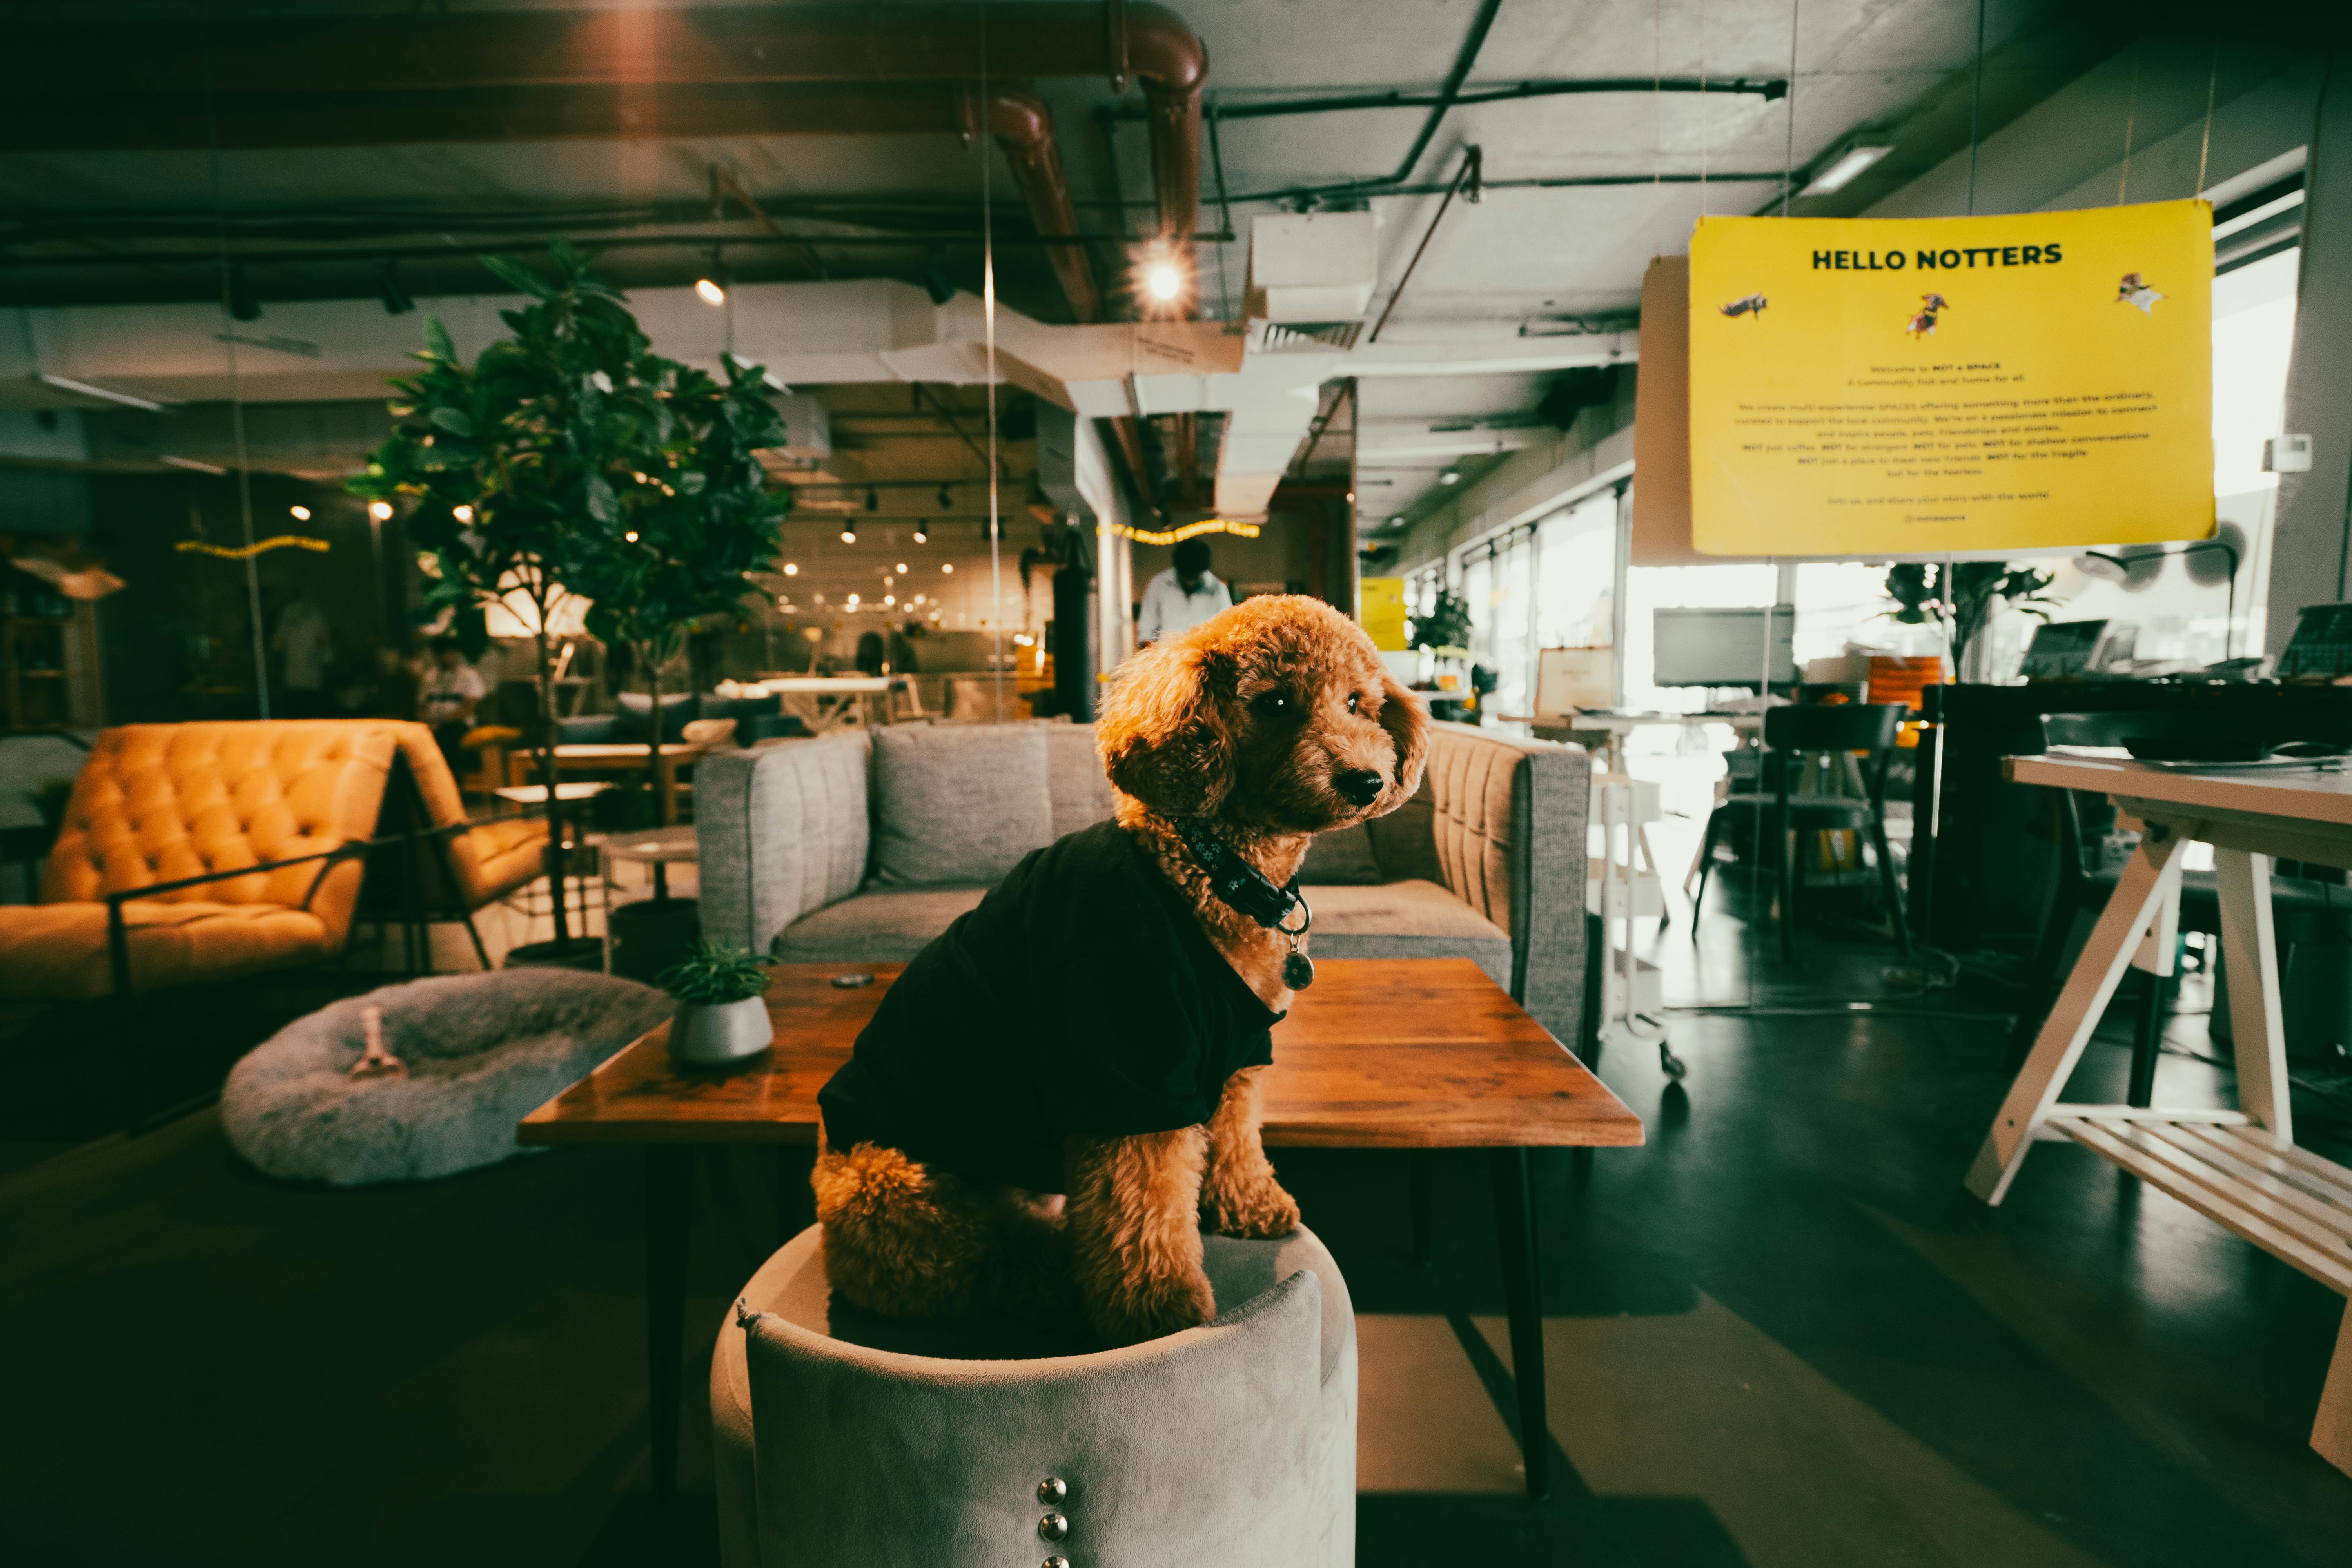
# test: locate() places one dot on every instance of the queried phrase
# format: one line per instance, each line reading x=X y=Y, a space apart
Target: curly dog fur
x=1251 y=723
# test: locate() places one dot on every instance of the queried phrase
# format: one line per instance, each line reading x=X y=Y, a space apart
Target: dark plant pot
x=650 y=936
x=580 y=952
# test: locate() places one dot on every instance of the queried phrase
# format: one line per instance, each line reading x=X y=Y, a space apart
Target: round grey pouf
x=482 y=1052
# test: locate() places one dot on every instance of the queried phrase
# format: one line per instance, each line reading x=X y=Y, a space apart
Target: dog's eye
x=1276 y=703
x=1354 y=699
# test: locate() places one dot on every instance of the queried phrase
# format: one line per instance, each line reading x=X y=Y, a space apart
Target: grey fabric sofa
x=1488 y=862
x=1233 y=1444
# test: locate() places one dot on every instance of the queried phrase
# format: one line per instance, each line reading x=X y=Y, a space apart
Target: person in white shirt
x=447 y=693
x=1182 y=596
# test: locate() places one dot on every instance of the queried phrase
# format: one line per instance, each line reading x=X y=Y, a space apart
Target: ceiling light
x=381 y=511
x=849 y=534
x=889 y=598
x=902 y=566
x=922 y=536
x=873 y=499
x=947 y=499
x=298 y=513
x=244 y=304
x=916 y=600
x=948 y=567
x=888 y=581
x=852 y=601
x=1840 y=170
x=462 y=513
x=1163 y=281
x=1396 y=520
x=791 y=569
x=712 y=294
x=1449 y=475
x=1352 y=495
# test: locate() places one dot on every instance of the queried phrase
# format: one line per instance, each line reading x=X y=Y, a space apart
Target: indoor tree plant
x=682 y=529
x=721 y=1017
x=1967 y=593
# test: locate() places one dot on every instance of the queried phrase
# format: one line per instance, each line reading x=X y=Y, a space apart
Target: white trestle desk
x=2240 y=1168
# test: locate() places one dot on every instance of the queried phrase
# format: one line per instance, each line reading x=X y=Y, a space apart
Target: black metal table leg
x=670 y=1220
x=1422 y=1164
x=1515 y=1226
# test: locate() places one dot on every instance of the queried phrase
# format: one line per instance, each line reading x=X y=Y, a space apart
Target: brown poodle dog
x=1098 y=1028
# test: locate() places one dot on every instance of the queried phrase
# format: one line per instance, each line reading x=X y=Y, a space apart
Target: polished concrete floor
x=1777 y=1334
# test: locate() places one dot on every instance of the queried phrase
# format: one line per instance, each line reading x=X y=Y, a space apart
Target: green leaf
x=602 y=504
x=457 y=421
x=517 y=275
x=437 y=341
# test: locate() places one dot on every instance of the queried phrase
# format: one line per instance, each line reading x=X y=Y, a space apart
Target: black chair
x=1800 y=737
x=2087 y=874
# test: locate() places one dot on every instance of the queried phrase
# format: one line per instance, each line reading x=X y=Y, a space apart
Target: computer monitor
x=2321 y=644
x=1725 y=648
x=2060 y=648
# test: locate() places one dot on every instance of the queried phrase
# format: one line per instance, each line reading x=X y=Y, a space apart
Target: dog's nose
x=1357 y=786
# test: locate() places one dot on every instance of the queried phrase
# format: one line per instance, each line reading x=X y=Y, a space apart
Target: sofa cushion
x=635 y=711
x=1406 y=920
x=885 y=926
x=958 y=803
x=59 y=950
x=1074 y=778
x=1342 y=857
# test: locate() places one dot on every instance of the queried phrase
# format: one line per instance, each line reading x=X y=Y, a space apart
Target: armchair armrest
x=117 y=932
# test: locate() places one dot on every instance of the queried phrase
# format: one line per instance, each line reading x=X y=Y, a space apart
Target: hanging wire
x=1975 y=106
x=2205 y=144
x=1657 y=107
x=1706 y=125
x=988 y=318
x=2131 y=117
x=228 y=335
x=1788 y=153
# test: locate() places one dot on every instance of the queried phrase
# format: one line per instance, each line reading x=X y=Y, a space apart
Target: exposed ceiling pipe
x=99 y=83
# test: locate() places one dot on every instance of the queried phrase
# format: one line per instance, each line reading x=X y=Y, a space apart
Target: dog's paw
x=1149 y=1309
x=1255 y=1207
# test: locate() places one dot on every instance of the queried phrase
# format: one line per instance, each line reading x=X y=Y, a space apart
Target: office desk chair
x=1799 y=738
x=2086 y=879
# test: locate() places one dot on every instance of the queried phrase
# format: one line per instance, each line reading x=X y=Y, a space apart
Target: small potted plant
x=721 y=1017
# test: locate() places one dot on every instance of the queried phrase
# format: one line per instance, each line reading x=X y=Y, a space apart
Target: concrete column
x=2309 y=545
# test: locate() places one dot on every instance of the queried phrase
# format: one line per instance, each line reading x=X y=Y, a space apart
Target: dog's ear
x=1162 y=733
x=1408 y=726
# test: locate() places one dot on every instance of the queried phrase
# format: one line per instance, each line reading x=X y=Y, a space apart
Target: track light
x=947 y=499
x=873 y=499
x=381 y=511
x=902 y=568
x=396 y=301
x=849 y=534
x=1449 y=475
x=712 y=293
x=935 y=276
x=922 y=534
x=791 y=569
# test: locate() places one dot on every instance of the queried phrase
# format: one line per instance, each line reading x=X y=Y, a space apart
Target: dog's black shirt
x=1080 y=997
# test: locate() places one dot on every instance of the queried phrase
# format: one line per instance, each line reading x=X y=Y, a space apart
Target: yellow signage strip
x=1188 y=530
x=283 y=541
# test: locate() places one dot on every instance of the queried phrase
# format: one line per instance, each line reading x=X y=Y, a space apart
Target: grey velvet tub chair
x=800 y=848
x=1232 y=1444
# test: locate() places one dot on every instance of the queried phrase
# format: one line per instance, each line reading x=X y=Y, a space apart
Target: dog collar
x=1242 y=887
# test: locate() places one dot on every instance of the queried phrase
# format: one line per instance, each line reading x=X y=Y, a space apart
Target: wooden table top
x=622 y=751
x=1379 y=1054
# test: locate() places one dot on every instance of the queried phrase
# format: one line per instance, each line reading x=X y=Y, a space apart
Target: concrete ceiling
x=318 y=222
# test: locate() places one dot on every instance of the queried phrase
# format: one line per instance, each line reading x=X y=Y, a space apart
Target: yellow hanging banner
x=1907 y=386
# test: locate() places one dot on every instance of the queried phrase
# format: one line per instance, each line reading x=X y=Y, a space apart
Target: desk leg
x=2150 y=877
x=2331 y=1433
x=2250 y=947
x=1515 y=1226
x=666 y=771
x=669 y=1219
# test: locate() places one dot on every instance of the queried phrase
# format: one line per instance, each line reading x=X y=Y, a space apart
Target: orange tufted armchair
x=200 y=852
x=205 y=852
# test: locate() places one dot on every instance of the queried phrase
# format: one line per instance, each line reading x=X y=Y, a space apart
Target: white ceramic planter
x=704 y=1036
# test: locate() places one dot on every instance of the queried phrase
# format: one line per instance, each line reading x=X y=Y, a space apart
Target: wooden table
x=1412 y=1053
x=616 y=755
x=825 y=701
x=2240 y=1168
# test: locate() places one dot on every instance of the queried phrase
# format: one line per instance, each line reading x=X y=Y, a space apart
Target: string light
x=948 y=567
x=462 y=513
x=902 y=566
x=1190 y=530
x=791 y=569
